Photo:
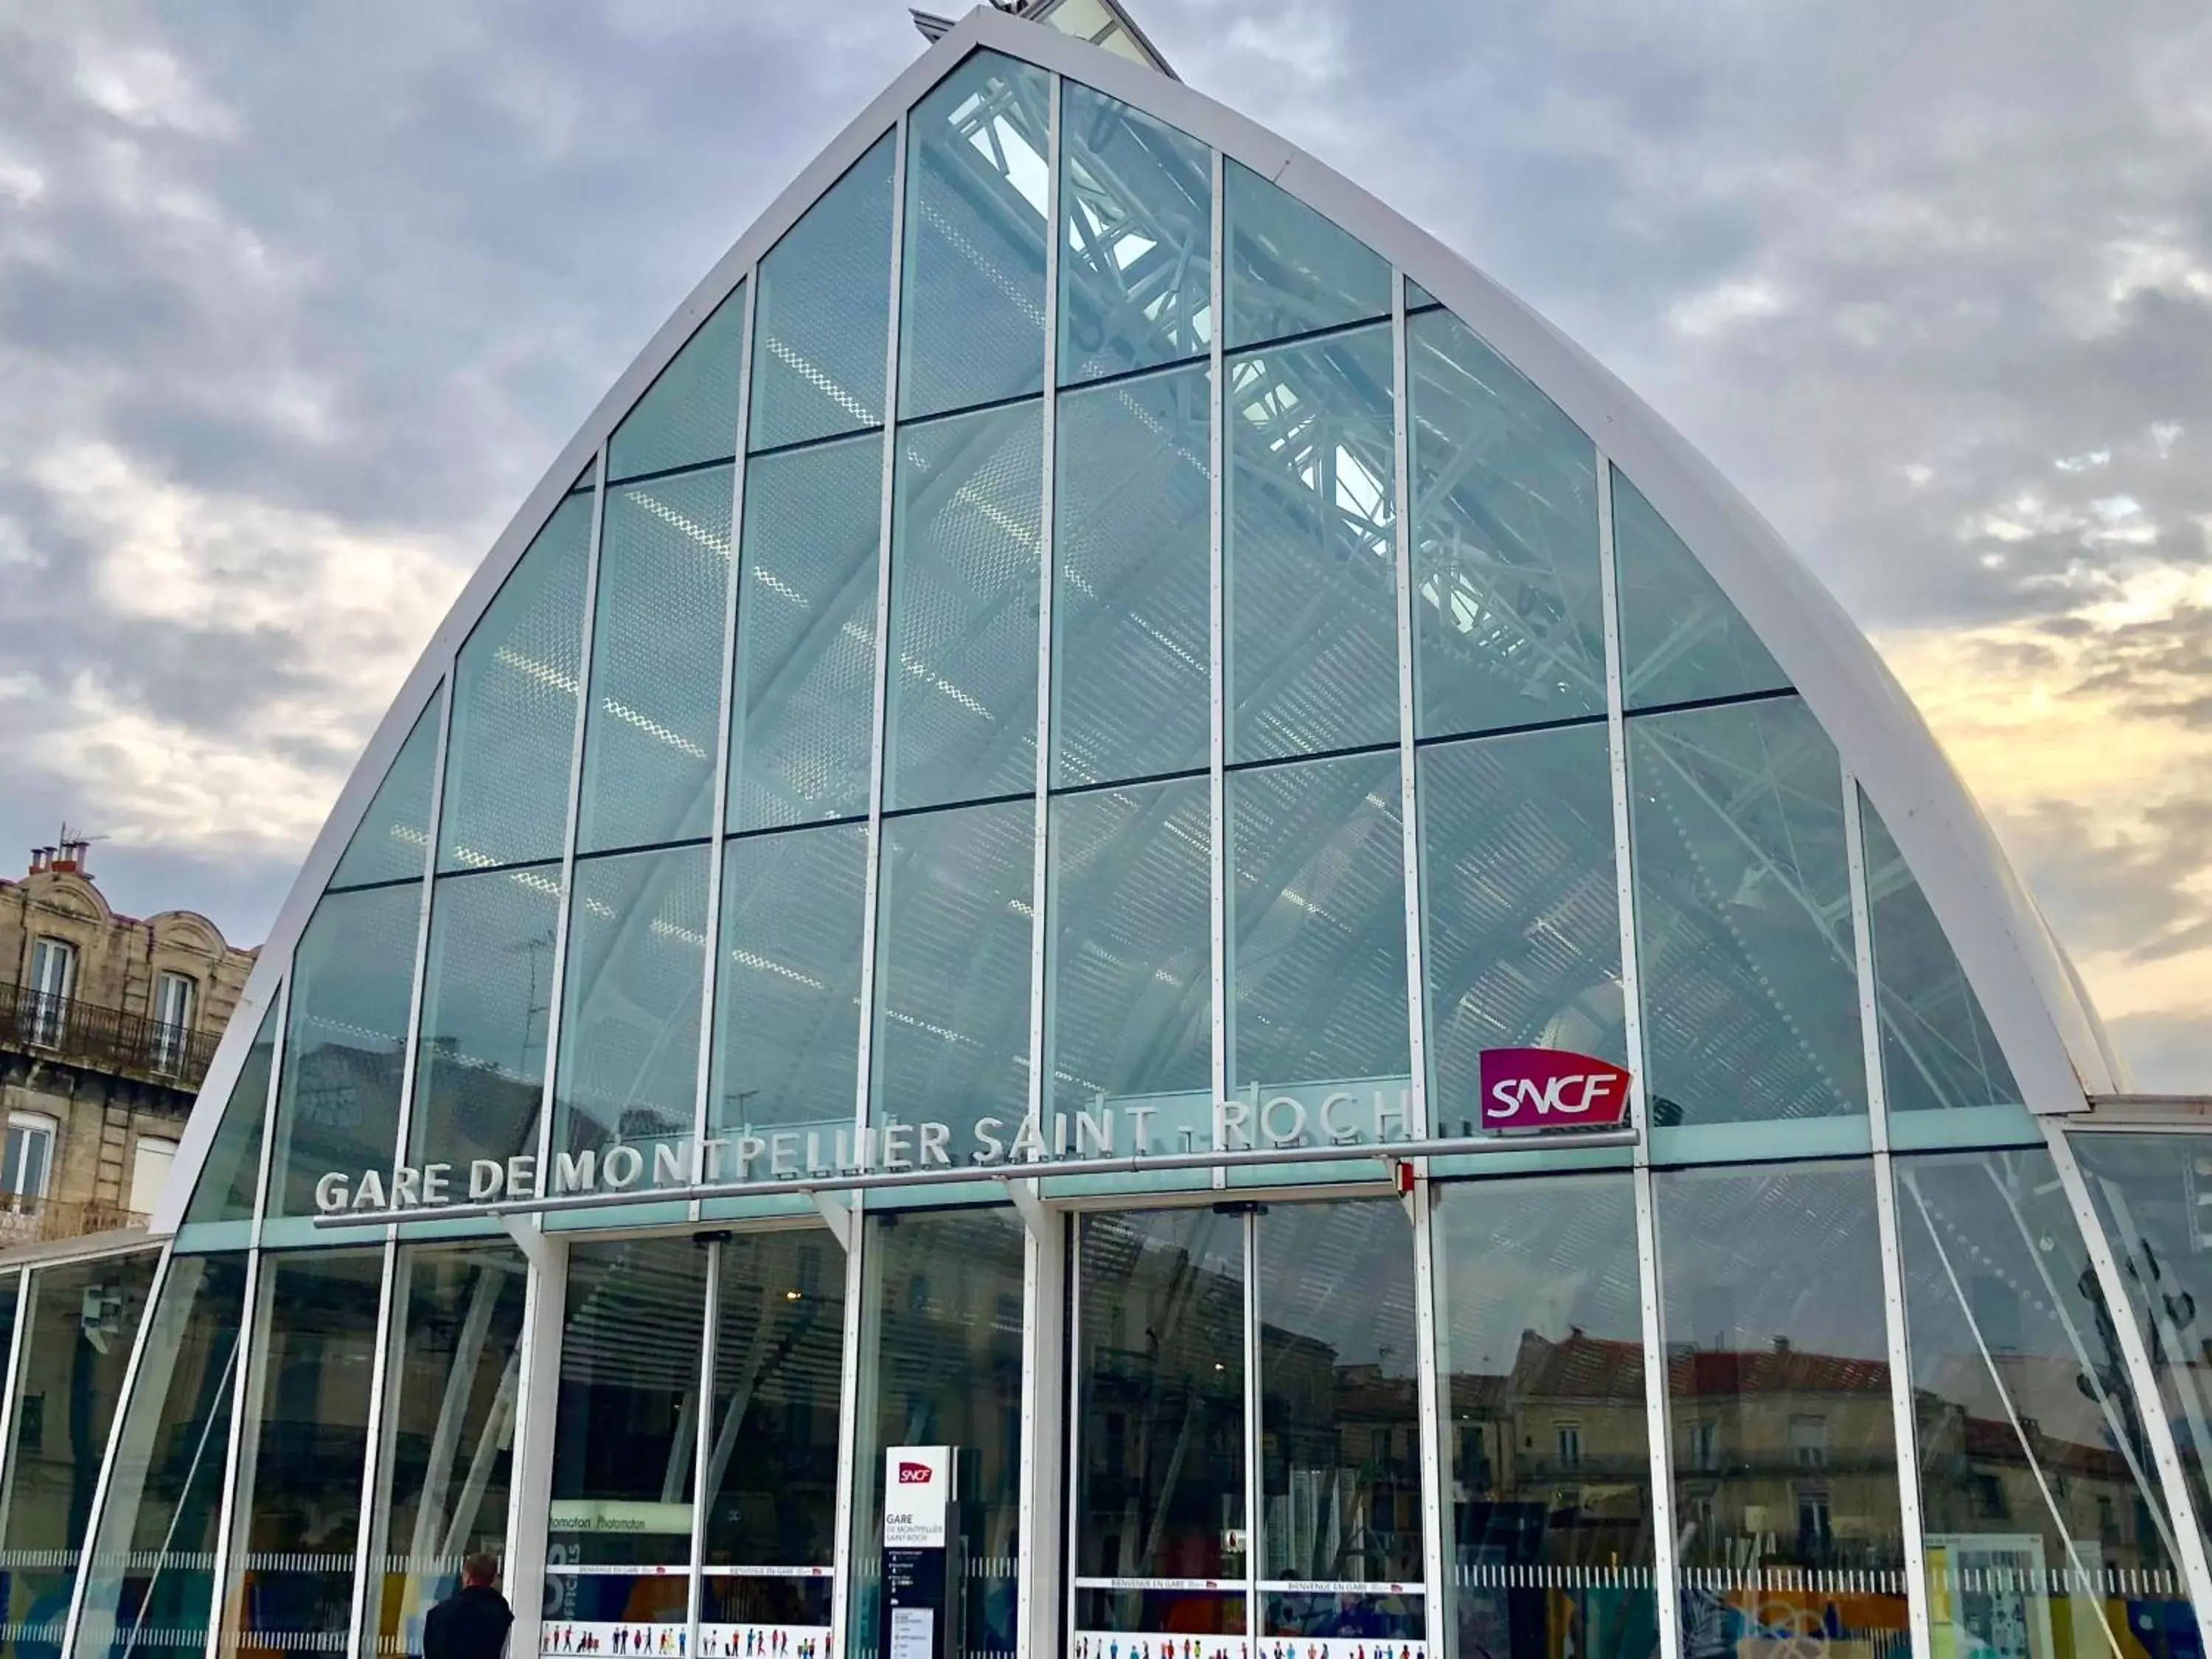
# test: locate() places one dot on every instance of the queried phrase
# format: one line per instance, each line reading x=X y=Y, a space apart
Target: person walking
x=472 y=1622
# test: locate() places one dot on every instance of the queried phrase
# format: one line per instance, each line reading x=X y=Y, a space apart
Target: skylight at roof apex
x=1105 y=23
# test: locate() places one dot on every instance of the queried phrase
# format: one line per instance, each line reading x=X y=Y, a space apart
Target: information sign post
x=921 y=1589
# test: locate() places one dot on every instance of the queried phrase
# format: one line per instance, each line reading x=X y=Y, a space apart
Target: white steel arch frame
x=2048 y=1031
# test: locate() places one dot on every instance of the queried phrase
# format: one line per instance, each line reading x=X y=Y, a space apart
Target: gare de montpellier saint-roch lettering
x=1522 y=1090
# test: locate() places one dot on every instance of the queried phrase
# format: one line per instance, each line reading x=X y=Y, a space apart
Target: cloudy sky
x=295 y=304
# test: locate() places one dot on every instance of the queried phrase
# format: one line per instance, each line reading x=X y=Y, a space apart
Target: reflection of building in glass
x=1085 y=617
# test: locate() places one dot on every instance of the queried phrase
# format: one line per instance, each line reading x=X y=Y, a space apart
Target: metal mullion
x=1905 y=1426
x=557 y=984
x=850 y=1424
x=1073 y=1438
x=703 y=1447
x=726 y=736
x=1044 y=1277
x=104 y=1477
x=1217 y=634
x=405 y=1127
x=880 y=706
x=231 y=1552
x=17 y=1342
x=2157 y=1426
x=1253 y=1497
x=381 y=1384
x=1657 y=1426
x=1436 y=1605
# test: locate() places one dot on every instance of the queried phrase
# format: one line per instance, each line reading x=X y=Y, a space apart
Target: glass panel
x=630 y=1005
x=1311 y=560
x=1417 y=296
x=1744 y=916
x=394 y=833
x=1777 y=1382
x=152 y=1585
x=1317 y=941
x=655 y=714
x=952 y=987
x=1509 y=618
x=771 y=1480
x=787 y=1010
x=1291 y=271
x=1540 y=1348
x=624 y=1442
x=941 y=1361
x=1136 y=204
x=1937 y=1049
x=823 y=306
x=345 y=1041
x=971 y=325
x=1339 y=1426
x=2039 y=1499
x=1523 y=907
x=449 y=1427
x=515 y=690
x=806 y=635
x=962 y=719
x=83 y=1319
x=1681 y=639
x=1160 y=1390
x=233 y=1169
x=1128 y=1018
x=485 y=1000
x=298 y=1502
x=1131 y=599
x=2150 y=1193
x=689 y=414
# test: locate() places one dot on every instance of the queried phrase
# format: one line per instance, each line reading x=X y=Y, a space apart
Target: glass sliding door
x=618 y=1535
x=82 y=1321
x=152 y=1583
x=1777 y=1382
x=769 y=1485
x=1340 y=1565
x=304 y=1457
x=1160 y=1438
x=940 y=1364
x=448 y=1428
x=1540 y=1351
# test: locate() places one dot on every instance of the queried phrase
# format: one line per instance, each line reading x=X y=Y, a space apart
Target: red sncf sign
x=1551 y=1089
x=914 y=1474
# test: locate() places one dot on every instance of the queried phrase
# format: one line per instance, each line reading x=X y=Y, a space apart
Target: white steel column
x=1905 y=1427
x=1656 y=1428
x=1072 y=1445
x=104 y=1478
x=1255 y=1498
x=1217 y=678
x=703 y=1451
x=1037 y=1597
x=537 y=1401
x=18 y=1344
x=231 y=1555
x=725 y=732
x=1436 y=1542
x=2157 y=1426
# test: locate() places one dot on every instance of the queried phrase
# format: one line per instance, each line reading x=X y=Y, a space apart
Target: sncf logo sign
x=1551 y=1089
x=914 y=1474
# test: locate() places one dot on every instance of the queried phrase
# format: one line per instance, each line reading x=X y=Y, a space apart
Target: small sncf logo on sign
x=915 y=1475
x=1551 y=1089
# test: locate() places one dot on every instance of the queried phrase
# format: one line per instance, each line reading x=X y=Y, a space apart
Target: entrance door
x=1246 y=1435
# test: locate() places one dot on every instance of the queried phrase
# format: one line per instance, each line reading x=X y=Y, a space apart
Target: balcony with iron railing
x=102 y=1039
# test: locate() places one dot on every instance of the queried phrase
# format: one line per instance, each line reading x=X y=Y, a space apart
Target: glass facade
x=1078 y=656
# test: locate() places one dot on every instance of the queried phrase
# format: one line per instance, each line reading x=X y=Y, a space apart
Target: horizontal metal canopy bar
x=1394 y=1151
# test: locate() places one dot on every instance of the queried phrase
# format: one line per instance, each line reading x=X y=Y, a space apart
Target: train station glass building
x=952 y=881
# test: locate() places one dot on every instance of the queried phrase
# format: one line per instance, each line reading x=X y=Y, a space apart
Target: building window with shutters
x=53 y=982
x=172 y=1020
x=27 y=1158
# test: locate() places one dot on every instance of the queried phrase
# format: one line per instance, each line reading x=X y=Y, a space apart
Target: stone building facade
x=107 y=1023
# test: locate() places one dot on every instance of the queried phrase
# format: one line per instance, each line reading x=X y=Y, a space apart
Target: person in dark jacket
x=472 y=1622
